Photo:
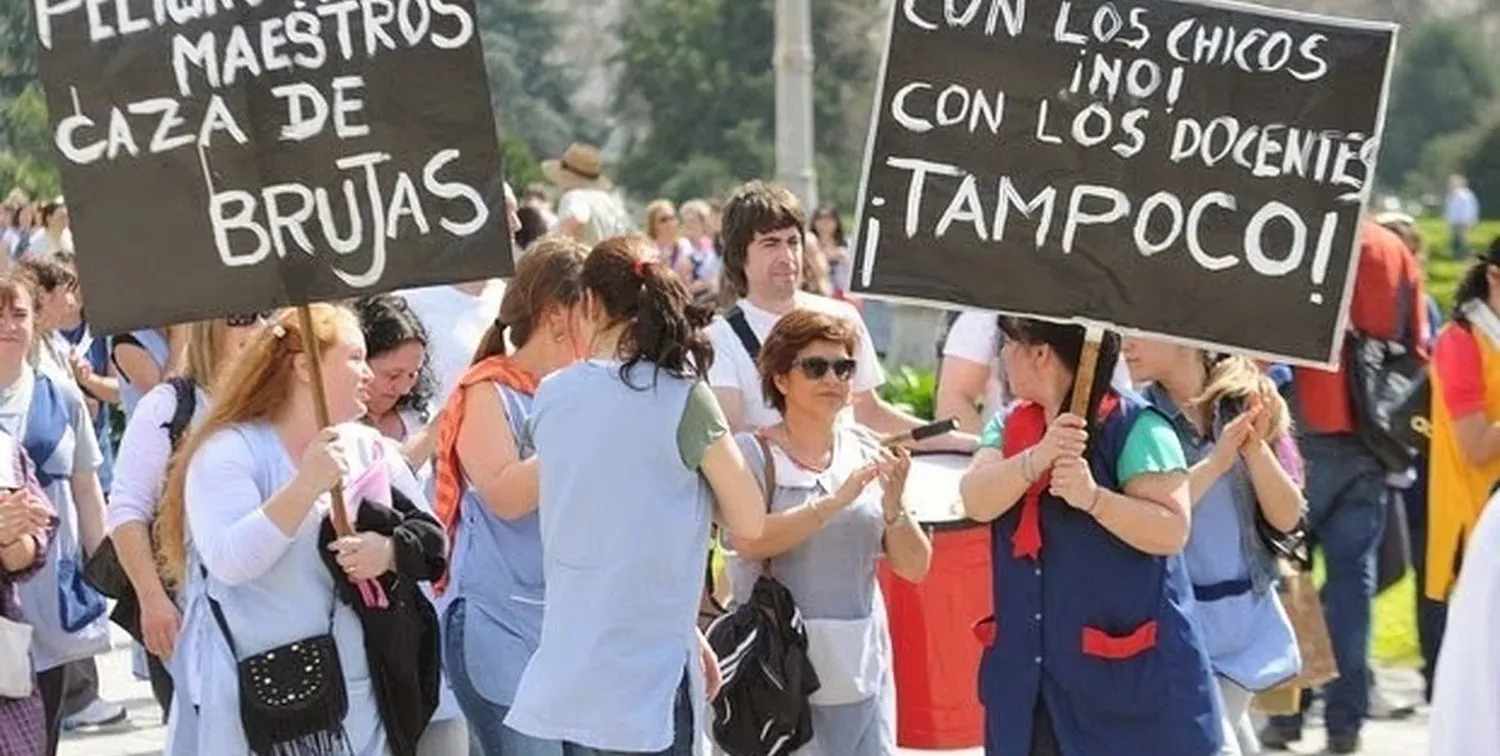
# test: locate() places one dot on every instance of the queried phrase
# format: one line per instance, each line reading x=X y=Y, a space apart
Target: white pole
x=795 y=166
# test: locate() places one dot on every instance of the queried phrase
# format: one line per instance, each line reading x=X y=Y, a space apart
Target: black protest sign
x=224 y=156
x=1190 y=169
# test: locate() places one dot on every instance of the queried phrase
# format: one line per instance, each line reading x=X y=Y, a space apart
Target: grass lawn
x=1395 y=640
x=1444 y=272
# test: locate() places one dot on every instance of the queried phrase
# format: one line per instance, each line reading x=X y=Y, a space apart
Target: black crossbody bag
x=292 y=698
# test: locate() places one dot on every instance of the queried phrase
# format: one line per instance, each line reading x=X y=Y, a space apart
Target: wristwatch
x=891 y=520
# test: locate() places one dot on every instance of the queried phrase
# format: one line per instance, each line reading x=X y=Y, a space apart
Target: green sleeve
x=1151 y=447
x=702 y=424
x=994 y=432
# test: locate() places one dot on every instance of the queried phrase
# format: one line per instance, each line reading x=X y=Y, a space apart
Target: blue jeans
x=1346 y=498
x=486 y=718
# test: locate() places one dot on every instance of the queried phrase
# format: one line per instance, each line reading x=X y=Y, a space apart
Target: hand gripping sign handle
x=310 y=344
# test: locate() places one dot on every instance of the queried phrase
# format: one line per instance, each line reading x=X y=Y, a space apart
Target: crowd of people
x=538 y=473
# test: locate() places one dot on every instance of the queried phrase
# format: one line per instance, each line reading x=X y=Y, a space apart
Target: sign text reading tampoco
x=1190 y=169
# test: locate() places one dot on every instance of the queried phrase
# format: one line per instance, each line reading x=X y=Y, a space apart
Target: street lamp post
x=794 y=101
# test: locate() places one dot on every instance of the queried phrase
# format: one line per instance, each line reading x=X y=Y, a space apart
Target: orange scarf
x=448 y=471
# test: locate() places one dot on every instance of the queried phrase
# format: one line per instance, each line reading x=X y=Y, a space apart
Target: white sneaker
x=98 y=713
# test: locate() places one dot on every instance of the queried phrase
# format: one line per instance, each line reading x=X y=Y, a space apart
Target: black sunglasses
x=817 y=367
x=245 y=321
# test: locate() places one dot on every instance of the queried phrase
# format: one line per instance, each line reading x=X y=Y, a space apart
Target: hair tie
x=277 y=330
x=642 y=265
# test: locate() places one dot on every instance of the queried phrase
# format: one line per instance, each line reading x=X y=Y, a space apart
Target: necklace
x=804 y=466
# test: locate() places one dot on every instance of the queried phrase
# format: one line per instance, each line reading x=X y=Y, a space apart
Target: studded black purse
x=292 y=697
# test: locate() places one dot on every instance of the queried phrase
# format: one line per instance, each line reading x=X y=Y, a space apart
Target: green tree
x=1443 y=84
x=697 y=88
x=1483 y=169
x=530 y=92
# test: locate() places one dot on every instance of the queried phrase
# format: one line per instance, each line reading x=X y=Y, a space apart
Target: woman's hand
x=894 y=465
x=1261 y=404
x=160 y=624
x=1074 y=483
x=1066 y=437
x=22 y=514
x=857 y=483
x=324 y=463
x=712 y=679
x=364 y=556
x=83 y=372
x=1235 y=439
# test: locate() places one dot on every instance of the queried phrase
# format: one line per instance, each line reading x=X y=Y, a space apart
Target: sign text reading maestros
x=213 y=54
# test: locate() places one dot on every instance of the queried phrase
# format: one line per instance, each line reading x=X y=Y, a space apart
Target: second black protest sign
x=1192 y=169
x=230 y=156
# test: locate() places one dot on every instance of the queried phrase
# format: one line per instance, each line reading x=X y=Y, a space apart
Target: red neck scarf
x=1024 y=428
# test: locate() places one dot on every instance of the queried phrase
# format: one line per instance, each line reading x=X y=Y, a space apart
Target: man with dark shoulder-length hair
x=763 y=235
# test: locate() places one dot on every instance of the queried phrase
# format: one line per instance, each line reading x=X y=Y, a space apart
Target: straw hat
x=579 y=168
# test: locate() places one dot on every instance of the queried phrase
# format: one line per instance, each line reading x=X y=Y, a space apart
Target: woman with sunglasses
x=830 y=523
x=1091 y=649
x=151 y=435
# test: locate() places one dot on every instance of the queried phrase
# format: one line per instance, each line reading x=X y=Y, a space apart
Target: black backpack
x=187 y=404
x=1389 y=389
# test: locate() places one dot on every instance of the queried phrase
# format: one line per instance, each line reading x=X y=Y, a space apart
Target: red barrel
x=936 y=653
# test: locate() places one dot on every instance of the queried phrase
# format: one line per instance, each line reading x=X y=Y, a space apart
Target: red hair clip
x=641 y=266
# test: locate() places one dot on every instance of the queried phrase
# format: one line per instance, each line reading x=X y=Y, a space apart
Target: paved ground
x=142 y=735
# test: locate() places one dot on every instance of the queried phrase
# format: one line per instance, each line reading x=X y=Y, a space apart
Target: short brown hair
x=52 y=273
x=755 y=208
x=793 y=333
x=15 y=281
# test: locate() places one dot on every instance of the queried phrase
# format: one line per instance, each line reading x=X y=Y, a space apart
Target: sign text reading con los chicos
x=1162 y=141
x=216 y=56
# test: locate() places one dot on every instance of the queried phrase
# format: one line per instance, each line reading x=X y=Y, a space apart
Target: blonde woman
x=1244 y=470
x=153 y=432
x=676 y=250
x=249 y=494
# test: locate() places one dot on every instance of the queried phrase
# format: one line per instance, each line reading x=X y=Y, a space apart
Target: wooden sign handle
x=339 y=514
x=1088 y=366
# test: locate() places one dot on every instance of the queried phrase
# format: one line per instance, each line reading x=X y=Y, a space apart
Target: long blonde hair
x=206 y=342
x=255 y=383
x=1237 y=378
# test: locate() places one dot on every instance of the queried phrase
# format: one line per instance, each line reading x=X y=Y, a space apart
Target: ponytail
x=668 y=326
x=1474 y=285
x=548 y=276
x=663 y=326
x=492 y=344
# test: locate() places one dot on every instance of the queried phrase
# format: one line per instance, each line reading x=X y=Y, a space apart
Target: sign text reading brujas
x=1191 y=169
x=230 y=155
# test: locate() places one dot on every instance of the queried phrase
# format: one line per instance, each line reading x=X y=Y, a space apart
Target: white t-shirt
x=601 y=213
x=455 y=324
x=975 y=336
x=42 y=247
x=733 y=368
